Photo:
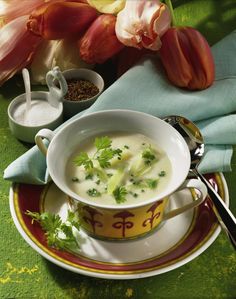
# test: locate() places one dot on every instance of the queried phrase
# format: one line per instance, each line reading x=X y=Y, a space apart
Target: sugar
x=40 y=113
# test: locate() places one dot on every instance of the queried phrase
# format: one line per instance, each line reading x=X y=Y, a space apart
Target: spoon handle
x=224 y=215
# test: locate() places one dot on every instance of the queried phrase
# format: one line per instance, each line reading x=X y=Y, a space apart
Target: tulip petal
x=141 y=23
x=107 y=6
x=15 y=8
x=18 y=46
x=100 y=42
x=61 y=20
x=187 y=59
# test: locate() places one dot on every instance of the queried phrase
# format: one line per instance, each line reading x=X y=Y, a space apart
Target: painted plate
x=175 y=243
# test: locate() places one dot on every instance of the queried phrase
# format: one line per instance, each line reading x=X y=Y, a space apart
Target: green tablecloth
x=25 y=274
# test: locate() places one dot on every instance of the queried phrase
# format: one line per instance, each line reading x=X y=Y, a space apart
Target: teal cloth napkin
x=145 y=88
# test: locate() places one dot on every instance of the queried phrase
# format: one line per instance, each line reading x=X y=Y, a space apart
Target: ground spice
x=79 y=90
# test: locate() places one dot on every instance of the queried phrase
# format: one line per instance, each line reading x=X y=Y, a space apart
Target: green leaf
x=162 y=173
x=102 y=142
x=50 y=222
x=59 y=234
x=120 y=194
x=83 y=159
x=148 y=155
x=73 y=219
x=93 y=192
x=104 y=157
x=117 y=152
x=89 y=176
x=152 y=184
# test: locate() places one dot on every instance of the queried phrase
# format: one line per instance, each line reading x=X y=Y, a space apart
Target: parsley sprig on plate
x=59 y=234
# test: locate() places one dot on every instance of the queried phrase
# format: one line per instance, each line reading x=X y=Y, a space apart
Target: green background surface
x=25 y=274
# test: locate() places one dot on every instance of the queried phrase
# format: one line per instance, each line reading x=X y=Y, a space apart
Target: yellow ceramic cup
x=121 y=221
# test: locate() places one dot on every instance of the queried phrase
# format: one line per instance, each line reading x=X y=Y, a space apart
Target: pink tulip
x=100 y=42
x=59 y=20
x=142 y=22
x=187 y=58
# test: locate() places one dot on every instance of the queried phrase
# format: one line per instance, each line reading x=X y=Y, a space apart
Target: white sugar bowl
x=24 y=125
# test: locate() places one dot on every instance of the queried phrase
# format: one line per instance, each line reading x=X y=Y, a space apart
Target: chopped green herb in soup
x=118 y=168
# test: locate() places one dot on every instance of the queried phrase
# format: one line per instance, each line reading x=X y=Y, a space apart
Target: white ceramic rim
x=176 y=265
x=18 y=99
x=75 y=196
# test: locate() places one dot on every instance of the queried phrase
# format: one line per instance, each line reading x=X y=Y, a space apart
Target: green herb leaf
x=75 y=180
x=59 y=234
x=89 y=176
x=104 y=157
x=73 y=219
x=93 y=192
x=152 y=184
x=102 y=142
x=120 y=193
x=83 y=159
x=117 y=151
x=162 y=173
x=148 y=155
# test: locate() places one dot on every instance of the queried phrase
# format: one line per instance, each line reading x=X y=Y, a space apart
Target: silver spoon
x=195 y=142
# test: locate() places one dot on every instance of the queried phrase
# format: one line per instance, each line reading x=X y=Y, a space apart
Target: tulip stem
x=170 y=6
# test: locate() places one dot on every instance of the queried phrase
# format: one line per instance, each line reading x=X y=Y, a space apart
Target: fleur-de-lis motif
x=91 y=220
x=154 y=215
x=123 y=224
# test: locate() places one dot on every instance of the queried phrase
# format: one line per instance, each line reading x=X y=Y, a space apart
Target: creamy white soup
x=118 y=168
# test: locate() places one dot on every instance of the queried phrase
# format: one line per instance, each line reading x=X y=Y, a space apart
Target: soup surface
x=118 y=168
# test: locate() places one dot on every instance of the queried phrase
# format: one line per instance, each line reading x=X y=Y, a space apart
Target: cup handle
x=56 y=94
x=44 y=133
x=198 y=199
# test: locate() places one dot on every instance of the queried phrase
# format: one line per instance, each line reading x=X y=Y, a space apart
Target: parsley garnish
x=102 y=142
x=119 y=193
x=152 y=184
x=104 y=157
x=59 y=234
x=83 y=159
x=93 y=192
x=117 y=151
x=148 y=155
x=89 y=176
x=75 y=179
x=162 y=173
